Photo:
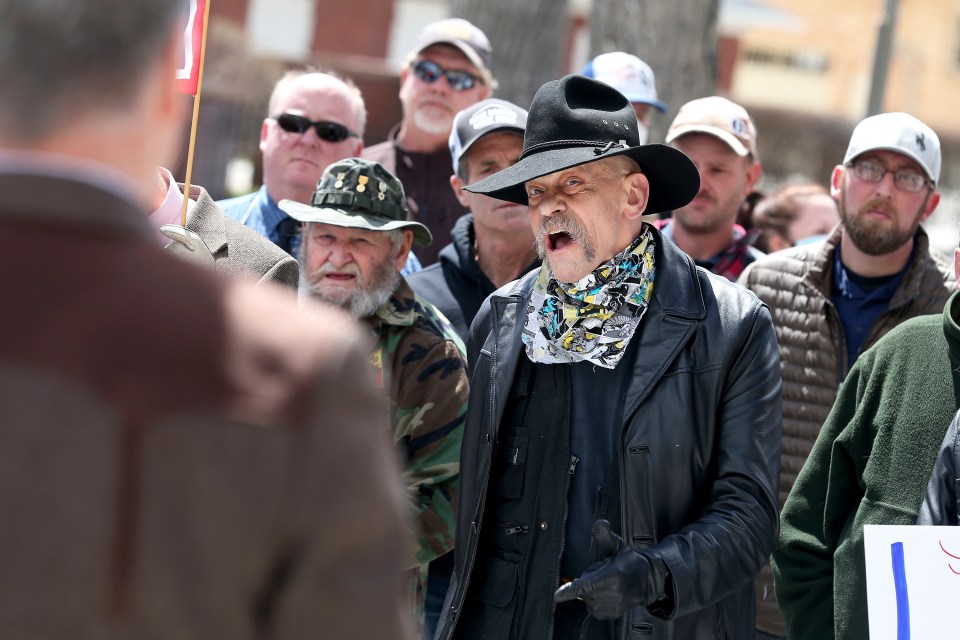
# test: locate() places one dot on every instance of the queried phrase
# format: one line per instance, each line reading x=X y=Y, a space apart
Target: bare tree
x=528 y=38
x=677 y=38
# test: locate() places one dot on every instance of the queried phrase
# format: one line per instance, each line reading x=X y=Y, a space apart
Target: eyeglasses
x=458 y=80
x=328 y=131
x=904 y=179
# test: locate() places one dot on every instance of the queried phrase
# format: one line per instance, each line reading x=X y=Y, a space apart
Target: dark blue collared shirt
x=860 y=301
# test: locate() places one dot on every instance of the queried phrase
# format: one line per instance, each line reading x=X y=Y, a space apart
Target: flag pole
x=196 y=115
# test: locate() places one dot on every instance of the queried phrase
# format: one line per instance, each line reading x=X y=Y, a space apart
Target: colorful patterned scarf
x=595 y=318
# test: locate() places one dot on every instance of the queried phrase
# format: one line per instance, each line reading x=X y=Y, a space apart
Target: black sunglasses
x=329 y=131
x=458 y=80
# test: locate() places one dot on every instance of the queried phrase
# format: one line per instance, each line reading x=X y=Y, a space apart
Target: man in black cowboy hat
x=619 y=462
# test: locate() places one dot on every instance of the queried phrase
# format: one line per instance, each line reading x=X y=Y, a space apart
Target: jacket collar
x=460 y=251
x=204 y=219
x=951 y=328
x=49 y=200
x=398 y=311
x=820 y=275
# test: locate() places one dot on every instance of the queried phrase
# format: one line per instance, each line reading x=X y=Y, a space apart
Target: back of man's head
x=60 y=57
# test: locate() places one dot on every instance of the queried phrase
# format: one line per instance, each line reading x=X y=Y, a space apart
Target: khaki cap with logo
x=720 y=118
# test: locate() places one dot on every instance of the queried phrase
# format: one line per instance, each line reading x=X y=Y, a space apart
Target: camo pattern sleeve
x=423 y=363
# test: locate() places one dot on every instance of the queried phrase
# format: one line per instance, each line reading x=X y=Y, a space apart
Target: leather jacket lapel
x=675 y=309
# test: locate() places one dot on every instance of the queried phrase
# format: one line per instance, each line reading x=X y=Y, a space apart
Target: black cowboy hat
x=576 y=120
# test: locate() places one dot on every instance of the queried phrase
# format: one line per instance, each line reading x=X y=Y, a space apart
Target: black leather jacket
x=699 y=450
x=941 y=505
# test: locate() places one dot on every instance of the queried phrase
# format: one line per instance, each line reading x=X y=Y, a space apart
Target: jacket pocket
x=498 y=581
x=492 y=600
x=511 y=464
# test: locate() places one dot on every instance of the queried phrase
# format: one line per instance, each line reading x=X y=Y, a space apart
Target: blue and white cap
x=901 y=133
x=482 y=118
x=628 y=74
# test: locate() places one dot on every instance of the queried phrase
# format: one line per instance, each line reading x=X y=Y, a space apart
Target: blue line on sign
x=900 y=586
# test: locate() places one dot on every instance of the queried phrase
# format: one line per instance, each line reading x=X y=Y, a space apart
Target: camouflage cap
x=360 y=194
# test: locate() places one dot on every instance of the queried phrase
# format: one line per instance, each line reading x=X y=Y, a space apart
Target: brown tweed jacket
x=182 y=455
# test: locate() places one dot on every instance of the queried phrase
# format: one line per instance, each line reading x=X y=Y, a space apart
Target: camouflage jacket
x=422 y=362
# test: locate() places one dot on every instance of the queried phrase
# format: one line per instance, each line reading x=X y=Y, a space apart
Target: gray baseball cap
x=901 y=133
x=459 y=33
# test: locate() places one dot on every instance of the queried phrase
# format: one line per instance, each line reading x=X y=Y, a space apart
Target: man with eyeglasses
x=314 y=119
x=833 y=300
x=447 y=70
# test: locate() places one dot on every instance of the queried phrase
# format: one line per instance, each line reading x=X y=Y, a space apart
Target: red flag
x=189 y=73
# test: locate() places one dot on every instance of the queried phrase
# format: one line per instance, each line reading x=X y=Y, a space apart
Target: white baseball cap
x=628 y=74
x=899 y=132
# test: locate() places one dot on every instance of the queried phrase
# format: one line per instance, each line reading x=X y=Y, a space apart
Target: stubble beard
x=709 y=222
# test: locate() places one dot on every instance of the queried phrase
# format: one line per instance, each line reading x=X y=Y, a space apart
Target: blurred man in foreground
x=173 y=465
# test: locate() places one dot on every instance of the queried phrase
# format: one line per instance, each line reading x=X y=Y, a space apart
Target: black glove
x=624 y=578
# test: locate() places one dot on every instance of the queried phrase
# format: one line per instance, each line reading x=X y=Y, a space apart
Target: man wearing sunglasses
x=314 y=119
x=833 y=300
x=447 y=70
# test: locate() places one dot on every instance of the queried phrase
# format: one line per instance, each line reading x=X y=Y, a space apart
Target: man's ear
x=931 y=205
x=753 y=175
x=264 y=131
x=457 y=185
x=836 y=180
x=405 y=245
x=637 y=194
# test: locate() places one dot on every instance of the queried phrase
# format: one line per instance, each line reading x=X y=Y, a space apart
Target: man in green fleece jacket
x=870 y=465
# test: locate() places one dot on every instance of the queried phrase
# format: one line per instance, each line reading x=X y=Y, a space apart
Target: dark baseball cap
x=484 y=117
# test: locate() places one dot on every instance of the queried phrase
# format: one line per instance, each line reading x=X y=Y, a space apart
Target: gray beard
x=367 y=298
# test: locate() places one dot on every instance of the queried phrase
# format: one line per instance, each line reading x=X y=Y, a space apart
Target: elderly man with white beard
x=356 y=238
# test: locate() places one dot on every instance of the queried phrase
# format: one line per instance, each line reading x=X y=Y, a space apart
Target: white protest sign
x=913 y=581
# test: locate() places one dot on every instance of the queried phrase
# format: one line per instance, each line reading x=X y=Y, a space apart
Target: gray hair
x=60 y=57
x=359 y=108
